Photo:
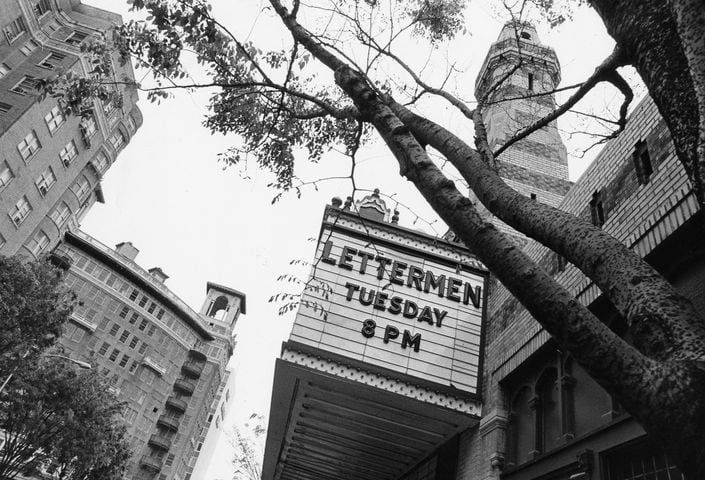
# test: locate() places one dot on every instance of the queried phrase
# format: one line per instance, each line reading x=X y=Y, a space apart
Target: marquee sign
x=392 y=303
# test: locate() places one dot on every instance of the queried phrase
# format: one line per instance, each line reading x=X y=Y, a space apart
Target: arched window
x=219 y=308
x=521 y=428
x=548 y=413
x=593 y=407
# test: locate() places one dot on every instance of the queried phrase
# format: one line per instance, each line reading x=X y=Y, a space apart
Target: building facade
x=166 y=361
x=541 y=417
x=52 y=164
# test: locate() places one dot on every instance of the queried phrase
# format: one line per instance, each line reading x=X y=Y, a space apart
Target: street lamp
x=78 y=363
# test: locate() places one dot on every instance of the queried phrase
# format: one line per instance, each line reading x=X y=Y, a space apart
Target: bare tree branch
x=605 y=72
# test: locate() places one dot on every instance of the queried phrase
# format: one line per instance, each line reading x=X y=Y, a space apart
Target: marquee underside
x=325 y=427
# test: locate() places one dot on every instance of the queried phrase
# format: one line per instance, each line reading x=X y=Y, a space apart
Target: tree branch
x=605 y=72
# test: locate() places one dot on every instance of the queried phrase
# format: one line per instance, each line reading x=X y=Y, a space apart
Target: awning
x=331 y=422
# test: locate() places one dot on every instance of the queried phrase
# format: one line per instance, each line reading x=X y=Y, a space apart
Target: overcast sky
x=169 y=196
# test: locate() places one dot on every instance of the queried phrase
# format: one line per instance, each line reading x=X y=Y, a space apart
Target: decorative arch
x=219 y=308
x=548 y=410
x=521 y=435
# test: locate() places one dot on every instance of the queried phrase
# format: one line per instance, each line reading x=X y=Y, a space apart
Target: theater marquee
x=381 y=371
x=391 y=304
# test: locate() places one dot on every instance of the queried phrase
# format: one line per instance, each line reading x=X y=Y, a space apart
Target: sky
x=199 y=222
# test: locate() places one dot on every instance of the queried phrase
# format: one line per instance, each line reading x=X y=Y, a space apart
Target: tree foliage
x=65 y=421
x=34 y=305
x=340 y=79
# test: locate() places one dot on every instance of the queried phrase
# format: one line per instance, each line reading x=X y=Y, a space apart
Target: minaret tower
x=536 y=166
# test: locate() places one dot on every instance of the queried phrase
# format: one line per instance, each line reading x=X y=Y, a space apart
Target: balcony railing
x=184 y=386
x=176 y=404
x=192 y=369
x=154 y=365
x=197 y=355
x=151 y=463
x=84 y=322
x=170 y=423
x=162 y=443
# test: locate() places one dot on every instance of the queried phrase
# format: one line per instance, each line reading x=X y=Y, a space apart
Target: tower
x=536 y=166
x=222 y=307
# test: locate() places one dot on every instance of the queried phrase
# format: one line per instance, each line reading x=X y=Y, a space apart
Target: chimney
x=158 y=273
x=126 y=249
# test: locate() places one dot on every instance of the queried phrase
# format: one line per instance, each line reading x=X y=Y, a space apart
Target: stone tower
x=536 y=166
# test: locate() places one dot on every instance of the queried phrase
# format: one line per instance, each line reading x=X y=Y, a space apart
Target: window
x=103 y=348
x=45 y=181
x=4 y=69
x=525 y=36
x=134 y=318
x=597 y=210
x=133 y=294
x=6 y=175
x=109 y=106
x=134 y=342
x=38 y=243
x=160 y=313
x=117 y=140
x=114 y=354
x=68 y=153
x=29 y=47
x=130 y=124
x=54 y=119
x=639 y=461
x=61 y=213
x=51 y=61
x=642 y=162
x=2 y=241
x=76 y=38
x=143 y=347
x=143 y=324
x=124 y=312
x=20 y=211
x=78 y=335
x=41 y=7
x=151 y=308
x=88 y=128
x=531 y=82
x=124 y=360
x=151 y=330
x=100 y=162
x=5 y=107
x=133 y=366
x=143 y=301
x=115 y=329
x=29 y=146
x=25 y=86
x=16 y=28
x=81 y=188
x=124 y=336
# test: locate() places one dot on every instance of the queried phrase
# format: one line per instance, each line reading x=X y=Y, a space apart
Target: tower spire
x=536 y=166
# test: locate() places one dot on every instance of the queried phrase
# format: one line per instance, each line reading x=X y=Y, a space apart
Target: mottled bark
x=664 y=323
x=646 y=387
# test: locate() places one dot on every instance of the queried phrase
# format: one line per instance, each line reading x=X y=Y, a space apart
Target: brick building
x=538 y=415
x=52 y=164
x=166 y=361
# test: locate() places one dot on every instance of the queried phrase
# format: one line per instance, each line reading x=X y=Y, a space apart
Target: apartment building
x=52 y=164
